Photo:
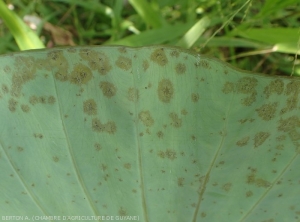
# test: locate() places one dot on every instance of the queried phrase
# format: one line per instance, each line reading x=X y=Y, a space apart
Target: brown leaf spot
x=195 y=97
x=42 y=99
x=55 y=56
x=97 y=125
x=12 y=105
x=33 y=100
x=184 y=112
x=20 y=149
x=81 y=74
x=260 y=138
x=165 y=90
x=227 y=187
x=249 y=193
x=25 y=108
x=55 y=159
x=259 y=182
x=96 y=60
x=124 y=63
x=180 y=181
x=275 y=86
x=250 y=99
x=122 y=212
x=161 y=154
x=160 y=134
x=97 y=146
x=291 y=104
x=246 y=85
x=170 y=154
x=103 y=167
x=262 y=183
x=243 y=141
x=292 y=87
x=146 y=118
x=267 y=111
x=204 y=64
x=180 y=68
x=294 y=135
x=145 y=65
x=51 y=100
x=176 y=121
x=56 y=59
x=90 y=107
x=61 y=75
x=288 y=124
x=108 y=89
x=175 y=53
x=5 y=89
x=127 y=166
x=38 y=135
x=159 y=57
x=110 y=127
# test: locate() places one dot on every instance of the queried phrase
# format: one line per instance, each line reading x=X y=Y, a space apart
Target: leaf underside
x=155 y=132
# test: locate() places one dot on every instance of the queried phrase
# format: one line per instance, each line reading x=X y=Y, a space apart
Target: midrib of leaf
x=270 y=188
x=206 y=179
x=79 y=178
x=35 y=200
x=145 y=213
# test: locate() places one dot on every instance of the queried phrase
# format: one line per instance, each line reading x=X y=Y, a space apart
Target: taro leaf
x=157 y=133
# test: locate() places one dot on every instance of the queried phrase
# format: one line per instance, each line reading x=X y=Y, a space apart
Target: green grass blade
x=146 y=12
x=273 y=6
x=224 y=41
x=189 y=39
x=287 y=47
x=285 y=39
x=271 y=35
x=24 y=36
x=117 y=20
x=156 y=36
x=90 y=5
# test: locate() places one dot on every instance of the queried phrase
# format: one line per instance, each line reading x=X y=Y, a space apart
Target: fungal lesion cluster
x=267 y=111
x=97 y=60
x=124 y=63
x=108 y=89
x=59 y=64
x=168 y=153
x=159 y=57
x=146 y=118
x=109 y=127
x=90 y=107
x=33 y=100
x=81 y=74
x=245 y=86
x=176 y=122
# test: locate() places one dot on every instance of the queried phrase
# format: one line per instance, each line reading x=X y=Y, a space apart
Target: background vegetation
x=257 y=35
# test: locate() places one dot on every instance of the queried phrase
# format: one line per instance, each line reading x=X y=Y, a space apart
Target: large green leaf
x=158 y=133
